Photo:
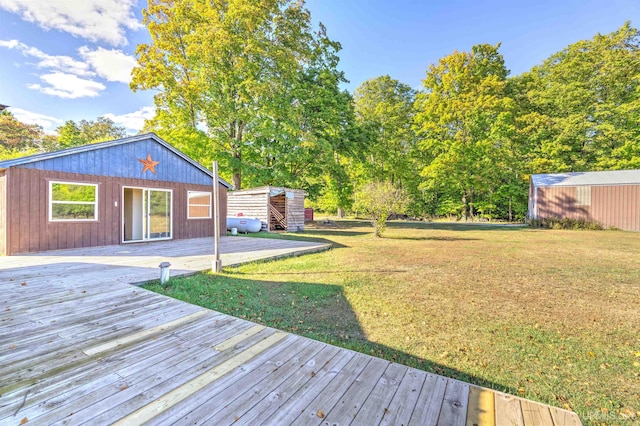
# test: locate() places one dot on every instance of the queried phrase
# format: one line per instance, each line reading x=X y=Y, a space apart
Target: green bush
x=565 y=223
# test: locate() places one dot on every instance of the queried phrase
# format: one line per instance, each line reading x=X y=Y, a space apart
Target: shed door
x=146 y=214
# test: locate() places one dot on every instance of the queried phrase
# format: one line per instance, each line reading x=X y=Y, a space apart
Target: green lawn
x=549 y=315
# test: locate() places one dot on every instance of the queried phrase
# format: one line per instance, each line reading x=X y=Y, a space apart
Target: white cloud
x=112 y=65
x=70 y=78
x=10 y=44
x=47 y=122
x=133 y=120
x=59 y=63
x=95 y=20
x=68 y=86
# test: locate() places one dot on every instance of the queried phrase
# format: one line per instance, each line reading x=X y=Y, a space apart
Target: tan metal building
x=279 y=209
x=611 y=198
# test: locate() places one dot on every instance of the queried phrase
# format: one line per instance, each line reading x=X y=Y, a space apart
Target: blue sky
x=71 y=59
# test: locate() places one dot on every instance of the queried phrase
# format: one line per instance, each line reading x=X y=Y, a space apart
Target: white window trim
x=51 y=202
x=210 y=206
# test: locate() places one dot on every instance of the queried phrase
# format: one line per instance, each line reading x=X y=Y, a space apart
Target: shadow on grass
x=353 y=271
x=344 y=226
x=431 y=238
x=336 y=233
x=293 y=237
x=317 y=311
x=455 y=226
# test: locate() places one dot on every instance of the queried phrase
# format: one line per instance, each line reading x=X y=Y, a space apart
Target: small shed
x=610 y=198
x=279 y=209
x=135 y=189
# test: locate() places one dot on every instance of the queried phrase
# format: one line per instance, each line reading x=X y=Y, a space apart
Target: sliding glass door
x=146 y=214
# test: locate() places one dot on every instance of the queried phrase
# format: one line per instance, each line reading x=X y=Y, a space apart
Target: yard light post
x=217 y=263
x=164 y=272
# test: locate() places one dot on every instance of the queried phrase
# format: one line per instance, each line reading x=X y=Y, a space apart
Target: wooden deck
x=78 y=344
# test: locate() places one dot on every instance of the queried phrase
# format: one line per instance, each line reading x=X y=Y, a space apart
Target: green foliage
x=257 y=89
x=565 y=223
x=17 y=137
x=583 y=105
x=464 y=121
x=378 y=200
x=88 y=131
x=250 y=85
x=10 y=153
x=384 y=110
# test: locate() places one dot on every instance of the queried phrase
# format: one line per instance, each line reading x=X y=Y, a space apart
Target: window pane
x=196 y=212
x=159 y=214
x=199 y=205
x=583 y=195
x=72 y=211
x=72 y=192
x=201 y=199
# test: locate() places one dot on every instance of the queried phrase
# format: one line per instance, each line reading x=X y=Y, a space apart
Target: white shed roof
x=612 y=177
x=272 y=190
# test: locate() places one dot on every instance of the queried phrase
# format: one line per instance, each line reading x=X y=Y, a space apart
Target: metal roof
x=611 y=177
x=101 y=145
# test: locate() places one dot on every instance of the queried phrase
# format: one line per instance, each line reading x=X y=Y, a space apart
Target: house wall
x=612 y=206
x=29 y=230
x=295 y=212
x=3 y=213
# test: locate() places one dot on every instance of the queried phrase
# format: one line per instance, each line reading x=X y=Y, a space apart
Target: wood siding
x=29 y=230
x=611 y=206
x=3 y=213
x=295 y=212
x=255 y=202
x=122 y=161
x=249 y=205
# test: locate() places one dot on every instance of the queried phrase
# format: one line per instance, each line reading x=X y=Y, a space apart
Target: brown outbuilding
x=135 y=189
x=279 y=209
x=610 y=198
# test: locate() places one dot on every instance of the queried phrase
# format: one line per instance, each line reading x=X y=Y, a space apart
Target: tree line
x=257 y=87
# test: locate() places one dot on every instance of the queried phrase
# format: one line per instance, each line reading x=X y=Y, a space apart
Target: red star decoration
x=149 y=164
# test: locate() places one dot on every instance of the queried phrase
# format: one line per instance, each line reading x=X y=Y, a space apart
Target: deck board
x=81 y=345
x=377 y=403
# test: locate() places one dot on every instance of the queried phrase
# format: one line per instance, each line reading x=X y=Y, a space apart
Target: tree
x=229 y=75
x=307 y=149
x=585 y=102
x=87 y=131
x=384 y=107
x=378 y=200
x=16 y=135
x=464 y=119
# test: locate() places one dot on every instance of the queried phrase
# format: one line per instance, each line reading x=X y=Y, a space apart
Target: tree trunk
x=464 y=205
x=237 y=181
x=237 y=172
x=236 y=134
x=340 y=213
x=510 y=213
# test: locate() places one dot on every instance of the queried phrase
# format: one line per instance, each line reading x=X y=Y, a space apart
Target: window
x=583 y=195
x=72 y=201
x=199 y=205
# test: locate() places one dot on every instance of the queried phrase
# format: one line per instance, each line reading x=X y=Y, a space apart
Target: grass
x=549 y=315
